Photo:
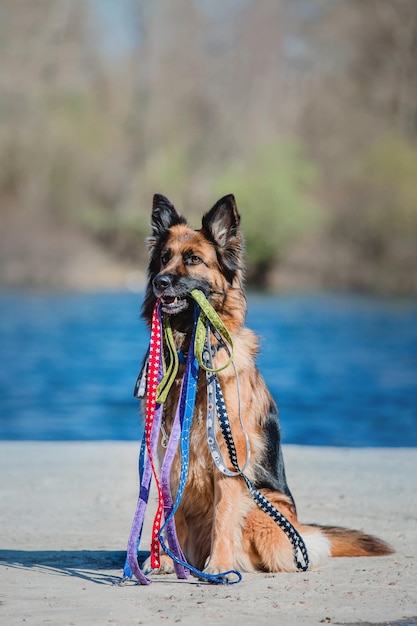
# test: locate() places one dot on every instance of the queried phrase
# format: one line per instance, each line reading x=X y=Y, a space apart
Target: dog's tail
x=346 y=542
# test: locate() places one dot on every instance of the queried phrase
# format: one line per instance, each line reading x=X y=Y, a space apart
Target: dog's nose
x=162 y=282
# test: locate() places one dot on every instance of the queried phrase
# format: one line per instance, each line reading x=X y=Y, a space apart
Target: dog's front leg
x=228 y=519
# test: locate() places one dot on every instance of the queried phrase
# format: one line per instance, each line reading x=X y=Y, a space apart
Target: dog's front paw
x=225 y=572
x=166 y=566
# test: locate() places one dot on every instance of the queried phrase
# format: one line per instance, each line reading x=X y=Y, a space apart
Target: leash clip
x=142 y=380
x=164 y=438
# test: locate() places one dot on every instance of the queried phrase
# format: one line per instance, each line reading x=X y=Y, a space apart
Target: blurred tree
x=203 y=92
x=274 y=194
x=384 y=62
x=385 y=185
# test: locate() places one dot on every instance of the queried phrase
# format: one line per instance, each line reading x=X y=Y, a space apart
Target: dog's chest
x=200 y=463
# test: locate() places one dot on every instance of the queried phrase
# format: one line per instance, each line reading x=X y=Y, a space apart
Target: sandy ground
x=66 y=511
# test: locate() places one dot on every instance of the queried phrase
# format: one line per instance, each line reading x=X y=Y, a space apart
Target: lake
x=342 y=368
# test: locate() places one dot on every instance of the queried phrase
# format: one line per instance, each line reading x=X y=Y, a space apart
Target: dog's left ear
x=222 y=222
x=221 y=226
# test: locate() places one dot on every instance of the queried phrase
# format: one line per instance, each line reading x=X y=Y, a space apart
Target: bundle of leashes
x=157 y=379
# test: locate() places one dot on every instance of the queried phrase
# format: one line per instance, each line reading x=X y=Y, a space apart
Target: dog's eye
x=164 y=258
x=194 y=260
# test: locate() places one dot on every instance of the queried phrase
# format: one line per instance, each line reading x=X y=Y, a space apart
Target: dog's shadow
x=89 y=565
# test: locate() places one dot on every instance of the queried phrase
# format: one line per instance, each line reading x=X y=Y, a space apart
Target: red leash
x=153 y=376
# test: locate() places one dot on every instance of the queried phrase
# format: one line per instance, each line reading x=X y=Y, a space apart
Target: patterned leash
x=216 y=405
x=157 y=379
x=154 y=380
x=185 y=410
x=146 y=462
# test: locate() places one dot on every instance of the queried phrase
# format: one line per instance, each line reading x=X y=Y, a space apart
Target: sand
x=66 y=511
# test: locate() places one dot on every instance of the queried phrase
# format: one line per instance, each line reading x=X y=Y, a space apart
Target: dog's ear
x=164 y=215
x=221 y=226
x=222 y=222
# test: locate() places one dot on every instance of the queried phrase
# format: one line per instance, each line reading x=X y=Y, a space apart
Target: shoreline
x=66 y=515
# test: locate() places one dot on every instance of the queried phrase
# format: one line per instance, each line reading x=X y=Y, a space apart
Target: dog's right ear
x=164 y=215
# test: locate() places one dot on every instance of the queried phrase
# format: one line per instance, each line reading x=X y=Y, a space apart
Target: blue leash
x=187 y=404
x=187 y=412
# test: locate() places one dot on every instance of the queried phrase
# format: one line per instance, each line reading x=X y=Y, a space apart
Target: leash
x=156 y=379
x=217 y=405
x=185 y=409
x=147 y=452
x=180 y=432
x=183 y=418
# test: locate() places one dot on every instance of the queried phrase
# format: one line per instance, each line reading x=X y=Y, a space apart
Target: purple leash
x=132 y=565
x=172 y=447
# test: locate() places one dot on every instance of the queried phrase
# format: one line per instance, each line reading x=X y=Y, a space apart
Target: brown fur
x=218 y=524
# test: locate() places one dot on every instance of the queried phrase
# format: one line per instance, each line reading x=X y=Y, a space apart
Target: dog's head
x=183 y=259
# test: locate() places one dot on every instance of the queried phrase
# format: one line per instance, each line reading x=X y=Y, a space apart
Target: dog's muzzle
x=163 y=288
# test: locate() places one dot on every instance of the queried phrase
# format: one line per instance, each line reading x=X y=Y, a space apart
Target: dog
x=219 y=526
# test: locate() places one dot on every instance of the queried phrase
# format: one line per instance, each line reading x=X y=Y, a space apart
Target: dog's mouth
x=173 y=304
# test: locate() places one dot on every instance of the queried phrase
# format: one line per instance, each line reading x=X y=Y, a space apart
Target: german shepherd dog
x=219 y=526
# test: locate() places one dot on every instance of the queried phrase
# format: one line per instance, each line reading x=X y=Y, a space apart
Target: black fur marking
x=270 y=472
x=164 y=215
x=181 y=286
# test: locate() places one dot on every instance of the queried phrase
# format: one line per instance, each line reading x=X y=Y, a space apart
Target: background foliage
x=306 y=111
x=275 y=190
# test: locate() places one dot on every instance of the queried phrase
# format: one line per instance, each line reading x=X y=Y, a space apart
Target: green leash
x=208 y=317
x=170 y=372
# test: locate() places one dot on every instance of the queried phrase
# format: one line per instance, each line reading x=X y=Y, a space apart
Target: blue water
x=343 y=369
